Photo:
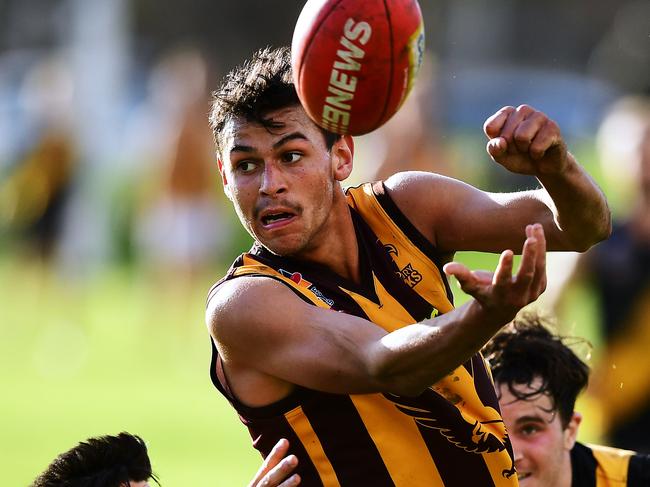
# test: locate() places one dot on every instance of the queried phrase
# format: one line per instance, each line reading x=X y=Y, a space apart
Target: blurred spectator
x=622 y=56
x=37 y=186
x=179 y=227
x=411 y=139
x=618 y=270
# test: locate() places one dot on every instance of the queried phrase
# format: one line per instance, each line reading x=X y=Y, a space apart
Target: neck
x=337 y=246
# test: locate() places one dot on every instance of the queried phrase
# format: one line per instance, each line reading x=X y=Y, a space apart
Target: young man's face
x=282 y=180
x=541 y=445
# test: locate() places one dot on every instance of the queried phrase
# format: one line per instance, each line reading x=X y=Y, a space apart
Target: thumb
x=497 y=147
x=462 y=274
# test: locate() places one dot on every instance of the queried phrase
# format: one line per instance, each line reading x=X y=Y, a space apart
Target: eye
x=291 y=157
x=529 y=429
x=246 y=166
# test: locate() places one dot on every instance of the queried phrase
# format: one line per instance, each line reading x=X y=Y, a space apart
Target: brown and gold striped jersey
x=601 y=466
x=450 y=435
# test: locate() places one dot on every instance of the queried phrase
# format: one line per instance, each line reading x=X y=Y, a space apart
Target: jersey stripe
x=310 y=441
x=639 y=471
x=330 y=416
x=409 y=256
x=613 y=464
x=408 y=459
x=266 y=437
x=379 y=313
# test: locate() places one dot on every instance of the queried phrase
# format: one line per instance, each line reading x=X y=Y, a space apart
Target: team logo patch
x=296 y=277
x=300 y=281
x=408 y=274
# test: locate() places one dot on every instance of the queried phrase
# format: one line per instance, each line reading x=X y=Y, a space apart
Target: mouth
x=521 y=476
x=275 y=218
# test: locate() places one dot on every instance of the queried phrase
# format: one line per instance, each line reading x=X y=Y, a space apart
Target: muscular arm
x=259 y=324
x=456 y=216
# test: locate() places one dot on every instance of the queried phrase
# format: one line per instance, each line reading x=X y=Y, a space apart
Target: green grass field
x=112 y=355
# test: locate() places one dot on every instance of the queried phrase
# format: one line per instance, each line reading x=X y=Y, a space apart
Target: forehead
x=512 y=406
x=239 y=131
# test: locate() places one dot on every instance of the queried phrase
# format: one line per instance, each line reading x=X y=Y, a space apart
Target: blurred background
x=113 y=223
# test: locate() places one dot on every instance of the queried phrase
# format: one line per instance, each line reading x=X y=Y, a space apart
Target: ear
x=571 y=431
x=342 y=156
x=224 y=179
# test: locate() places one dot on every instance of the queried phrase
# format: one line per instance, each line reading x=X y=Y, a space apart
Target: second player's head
x=538 y=378
x=105 y=461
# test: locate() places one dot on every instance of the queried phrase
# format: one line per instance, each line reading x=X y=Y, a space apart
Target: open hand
x=500 y=293
x=525 y=141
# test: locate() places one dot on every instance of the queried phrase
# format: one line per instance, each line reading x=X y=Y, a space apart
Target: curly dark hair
x=262 y=84
x=105 y=461
x=527 y=349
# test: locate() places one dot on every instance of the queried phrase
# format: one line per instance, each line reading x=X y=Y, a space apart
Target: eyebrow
x=287 y=138
x=528 y=419
x=279 y=143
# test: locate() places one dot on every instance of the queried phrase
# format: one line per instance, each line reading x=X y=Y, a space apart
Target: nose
x=517 y=449
x=273 y=180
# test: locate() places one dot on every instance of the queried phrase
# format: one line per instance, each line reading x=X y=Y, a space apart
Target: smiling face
x=541 y=444
x=282 y=179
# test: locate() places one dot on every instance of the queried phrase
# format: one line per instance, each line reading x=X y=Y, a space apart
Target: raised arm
x=456 y=216
x=266 y=334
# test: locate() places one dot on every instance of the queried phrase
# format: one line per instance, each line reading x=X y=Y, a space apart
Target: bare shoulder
x=427 y=199
x=419 y=187
x=242 y=308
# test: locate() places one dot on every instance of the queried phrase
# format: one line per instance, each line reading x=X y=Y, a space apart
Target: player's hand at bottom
x=500 y=293
x=276 y=468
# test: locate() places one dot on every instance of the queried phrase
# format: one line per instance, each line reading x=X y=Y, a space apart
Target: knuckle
x=522 y=137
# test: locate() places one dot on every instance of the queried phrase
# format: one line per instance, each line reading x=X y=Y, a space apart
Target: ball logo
x=343 y=83
x=416 y=54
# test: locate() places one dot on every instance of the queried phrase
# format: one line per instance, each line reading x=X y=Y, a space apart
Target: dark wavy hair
x=261 y=84
x=527 y=349
x=105 y=461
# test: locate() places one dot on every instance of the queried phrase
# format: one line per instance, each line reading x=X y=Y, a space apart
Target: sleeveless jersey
x=450 y=435
x=600 y=466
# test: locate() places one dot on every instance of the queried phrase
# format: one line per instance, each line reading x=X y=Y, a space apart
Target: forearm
x=410 y=359
x=579 y=206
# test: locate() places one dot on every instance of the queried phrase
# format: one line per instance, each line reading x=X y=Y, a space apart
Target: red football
x=355 y=61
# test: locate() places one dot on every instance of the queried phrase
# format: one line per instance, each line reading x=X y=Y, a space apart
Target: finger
x=291 y=481
x=528 y=129
x=277 y=453
x=527 y=268
x=497 y=147
x=539 y=282
x=278 y=475
x=520 y=114
x=463 y=275
x=492 y=126
x=548 y=136
x=503 y=272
